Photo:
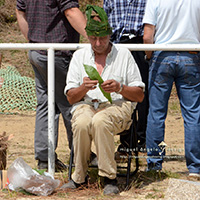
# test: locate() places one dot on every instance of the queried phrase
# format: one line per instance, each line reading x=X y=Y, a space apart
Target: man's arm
x=77 y=20
x=23 y=25
x=148 y=38
x=135 y=94
x=75 y=95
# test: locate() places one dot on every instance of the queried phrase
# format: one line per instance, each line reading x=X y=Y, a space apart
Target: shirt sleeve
x=73 y=75
x=133 y=76
x=67 y=4
x=150 y=13
x=21 y=5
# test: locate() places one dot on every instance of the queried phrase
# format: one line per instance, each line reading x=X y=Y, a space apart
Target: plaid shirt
x=125 y=16
x=47 y=22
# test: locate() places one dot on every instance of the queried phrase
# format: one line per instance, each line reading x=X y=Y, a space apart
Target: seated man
x=93 y=116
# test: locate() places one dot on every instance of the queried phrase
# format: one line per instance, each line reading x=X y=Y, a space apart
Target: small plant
x=40 y=171
x=170 y=174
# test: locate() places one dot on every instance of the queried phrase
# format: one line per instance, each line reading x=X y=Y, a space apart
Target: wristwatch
x=121 y=88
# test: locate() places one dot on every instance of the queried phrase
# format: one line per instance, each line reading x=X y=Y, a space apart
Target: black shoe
x=93 y=159
x=110 y=187
x=73 y=185
x=42 y=164
x=59 y=166
x=70 y=185
x=153 y=167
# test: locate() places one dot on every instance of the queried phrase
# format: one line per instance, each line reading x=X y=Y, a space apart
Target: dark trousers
x=62 y=106
x=142 y=108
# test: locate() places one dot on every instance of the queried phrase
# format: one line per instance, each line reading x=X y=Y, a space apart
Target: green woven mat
x=17 y=93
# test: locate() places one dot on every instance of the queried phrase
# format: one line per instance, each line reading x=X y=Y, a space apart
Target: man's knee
x=101 y=120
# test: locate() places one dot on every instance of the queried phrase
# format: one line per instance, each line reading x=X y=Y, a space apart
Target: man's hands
x=75 y=95
x=89 y=84
x=133 y=93
x=108 y=86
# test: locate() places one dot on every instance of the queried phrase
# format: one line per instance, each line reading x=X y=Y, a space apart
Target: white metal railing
x=51 y=47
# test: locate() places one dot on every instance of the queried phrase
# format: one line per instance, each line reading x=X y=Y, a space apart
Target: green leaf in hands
x=94 y=75
x=106 y=94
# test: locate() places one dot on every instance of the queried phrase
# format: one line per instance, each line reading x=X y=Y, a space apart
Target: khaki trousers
x=100 y=126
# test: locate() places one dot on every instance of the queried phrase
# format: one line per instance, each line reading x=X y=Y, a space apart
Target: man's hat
x=99 y=27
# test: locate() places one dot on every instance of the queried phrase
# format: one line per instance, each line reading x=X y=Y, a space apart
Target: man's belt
x=193 y=52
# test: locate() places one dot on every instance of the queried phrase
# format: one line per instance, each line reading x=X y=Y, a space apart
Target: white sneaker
x=195 y=175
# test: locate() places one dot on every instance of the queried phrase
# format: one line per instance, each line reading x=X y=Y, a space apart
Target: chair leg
x=71 y=162
x=135 y=139
x=128 y=170
x=131 y=146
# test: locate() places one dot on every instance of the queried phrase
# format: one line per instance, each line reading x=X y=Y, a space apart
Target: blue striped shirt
x=125 y=16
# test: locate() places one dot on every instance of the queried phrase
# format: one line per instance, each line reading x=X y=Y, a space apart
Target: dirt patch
x=143 y=184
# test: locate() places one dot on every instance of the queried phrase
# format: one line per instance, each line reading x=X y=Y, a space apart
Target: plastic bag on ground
x=21 y=175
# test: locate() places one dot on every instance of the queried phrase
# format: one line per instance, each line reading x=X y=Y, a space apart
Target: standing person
x=50 y=22
x=173 y=22
x=125 y=17
x=93 y=116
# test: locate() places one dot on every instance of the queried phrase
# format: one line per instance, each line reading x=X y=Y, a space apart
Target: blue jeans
x=183 y=69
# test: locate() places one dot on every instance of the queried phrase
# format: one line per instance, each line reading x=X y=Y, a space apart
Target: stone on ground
x=182 y=189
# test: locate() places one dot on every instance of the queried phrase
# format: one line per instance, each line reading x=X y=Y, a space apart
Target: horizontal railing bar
x=75 y=46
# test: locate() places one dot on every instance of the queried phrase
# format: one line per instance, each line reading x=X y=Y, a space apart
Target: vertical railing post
x=51 y=111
